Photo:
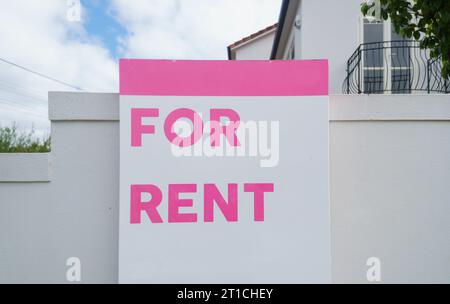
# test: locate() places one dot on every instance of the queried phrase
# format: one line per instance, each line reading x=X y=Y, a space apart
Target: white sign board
x=224 y=172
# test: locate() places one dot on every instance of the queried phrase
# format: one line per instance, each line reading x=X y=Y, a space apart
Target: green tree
x=427 y=21
x=13 y=141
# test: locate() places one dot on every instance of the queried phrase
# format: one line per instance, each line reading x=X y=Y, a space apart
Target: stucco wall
x=390 y=194
x=329 y=29
x=258 y=49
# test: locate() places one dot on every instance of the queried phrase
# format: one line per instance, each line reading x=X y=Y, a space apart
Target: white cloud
x=190 y=29
x=38 y=35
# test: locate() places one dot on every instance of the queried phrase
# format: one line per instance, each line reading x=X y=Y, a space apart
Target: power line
x=23 y=105
x=33 y=91
x=12 y=91
x=23 y=110
x=41 y=75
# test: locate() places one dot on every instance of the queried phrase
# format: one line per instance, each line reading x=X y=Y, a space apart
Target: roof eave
x=281 y=21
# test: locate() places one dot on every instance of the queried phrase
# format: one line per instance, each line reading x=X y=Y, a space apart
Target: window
x=373 y=57
x=400 y=64
x=386 y=59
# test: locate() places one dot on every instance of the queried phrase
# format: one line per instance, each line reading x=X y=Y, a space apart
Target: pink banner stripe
x=223 y=78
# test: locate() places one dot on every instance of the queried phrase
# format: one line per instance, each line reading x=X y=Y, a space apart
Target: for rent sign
x=224 y=172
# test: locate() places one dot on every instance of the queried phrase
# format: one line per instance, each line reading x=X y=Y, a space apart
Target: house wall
x=389 y=174
x=258 y=49
x=329 y=29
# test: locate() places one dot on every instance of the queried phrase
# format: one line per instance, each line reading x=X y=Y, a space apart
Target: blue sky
x=126 y=28
x=100 y=22
x=40 y=36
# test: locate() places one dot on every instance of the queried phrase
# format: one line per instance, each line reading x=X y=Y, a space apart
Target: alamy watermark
x=373 y=274
x=374 y=11
x=196 y=138
x=73 y=10
x=73 y=272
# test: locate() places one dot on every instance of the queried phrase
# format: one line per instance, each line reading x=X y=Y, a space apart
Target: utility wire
x=23 y=105
x=11 y=91
x=23 y=110
x=34 y=92
x=40 y=74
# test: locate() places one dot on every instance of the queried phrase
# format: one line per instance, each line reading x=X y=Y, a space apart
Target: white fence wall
x=390 y=191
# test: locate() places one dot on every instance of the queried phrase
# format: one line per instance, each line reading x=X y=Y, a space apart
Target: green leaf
x=425 y=20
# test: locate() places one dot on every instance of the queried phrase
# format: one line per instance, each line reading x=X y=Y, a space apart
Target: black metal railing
x=396 y=67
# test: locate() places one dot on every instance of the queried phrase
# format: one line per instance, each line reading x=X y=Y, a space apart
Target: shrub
x=14 y=141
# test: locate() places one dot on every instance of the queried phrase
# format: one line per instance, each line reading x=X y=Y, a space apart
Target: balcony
x=394 y=67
